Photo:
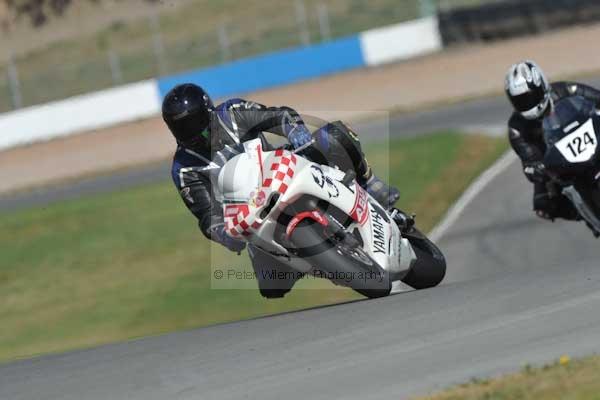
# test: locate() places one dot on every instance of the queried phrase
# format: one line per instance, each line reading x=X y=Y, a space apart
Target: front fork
x=405 y=222
x=583 y=208
x=404 y=252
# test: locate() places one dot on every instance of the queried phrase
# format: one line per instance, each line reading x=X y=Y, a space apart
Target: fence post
x=115 y=67
x=324 y=26
x=14 y=83
x=224 y=42
x=302 y=22
x=158 y=44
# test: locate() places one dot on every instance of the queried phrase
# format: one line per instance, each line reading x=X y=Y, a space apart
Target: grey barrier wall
x=511 y=18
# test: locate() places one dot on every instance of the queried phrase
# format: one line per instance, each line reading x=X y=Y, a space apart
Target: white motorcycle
x=317 y=220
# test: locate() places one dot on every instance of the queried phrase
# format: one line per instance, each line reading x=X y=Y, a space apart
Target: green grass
x=433 y=171
x=563 y=379
x=133 y=263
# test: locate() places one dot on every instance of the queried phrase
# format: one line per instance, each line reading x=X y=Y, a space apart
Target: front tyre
x=344 y=266
x=429 y=269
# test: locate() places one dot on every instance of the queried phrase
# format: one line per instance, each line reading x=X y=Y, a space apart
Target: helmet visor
x=529 y=100
x=190 y=126
x=537 y=112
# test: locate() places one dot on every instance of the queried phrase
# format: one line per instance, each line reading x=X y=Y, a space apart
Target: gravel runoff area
x=443 y=77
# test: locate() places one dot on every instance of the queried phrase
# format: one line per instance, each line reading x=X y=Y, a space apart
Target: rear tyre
x=430 y=268
x=344 y=266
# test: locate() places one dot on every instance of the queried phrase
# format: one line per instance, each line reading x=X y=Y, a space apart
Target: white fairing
x=239 y=177
x=579 y=146
x=249 y=180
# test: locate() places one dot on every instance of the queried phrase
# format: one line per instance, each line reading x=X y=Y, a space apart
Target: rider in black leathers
x=533 y=97
x=207 y=136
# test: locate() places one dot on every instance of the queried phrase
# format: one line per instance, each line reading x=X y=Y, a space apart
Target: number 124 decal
x=580 y=146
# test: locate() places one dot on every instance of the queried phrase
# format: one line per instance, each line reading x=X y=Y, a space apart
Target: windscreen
x=571 y=110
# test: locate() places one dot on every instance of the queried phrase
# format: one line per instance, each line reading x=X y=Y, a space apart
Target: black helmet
x=186 y=111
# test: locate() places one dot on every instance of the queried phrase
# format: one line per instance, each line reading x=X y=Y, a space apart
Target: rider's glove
x=535 y=171
x=220 y=236
x=299 y=136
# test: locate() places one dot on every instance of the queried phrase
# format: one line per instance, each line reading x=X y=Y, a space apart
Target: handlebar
x=304 y=146
x=290 y=148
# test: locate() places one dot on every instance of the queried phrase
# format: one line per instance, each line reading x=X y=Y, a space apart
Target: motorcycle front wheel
x=429 y=269
x=350 y=267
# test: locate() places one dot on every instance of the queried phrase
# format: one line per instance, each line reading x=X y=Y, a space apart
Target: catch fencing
x=136 y=101
x=161 y=44
x=199 y=35
x=490 y=20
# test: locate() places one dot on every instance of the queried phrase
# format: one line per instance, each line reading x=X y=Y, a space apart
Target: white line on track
x=471 y=193
x=462 y=203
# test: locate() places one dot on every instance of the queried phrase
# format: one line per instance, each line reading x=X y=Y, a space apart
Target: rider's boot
x=385 y=195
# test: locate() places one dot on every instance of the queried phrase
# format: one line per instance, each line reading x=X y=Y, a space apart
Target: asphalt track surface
x=519 y=290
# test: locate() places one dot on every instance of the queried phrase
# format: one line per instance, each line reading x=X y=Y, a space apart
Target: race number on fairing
x=580 y=146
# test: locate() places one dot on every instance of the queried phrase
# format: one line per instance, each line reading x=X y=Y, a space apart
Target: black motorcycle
x=572 y=156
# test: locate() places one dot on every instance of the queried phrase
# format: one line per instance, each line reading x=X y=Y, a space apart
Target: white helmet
x=528 y=89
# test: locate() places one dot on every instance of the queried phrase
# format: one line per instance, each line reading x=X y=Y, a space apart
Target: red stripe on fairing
x=314 y=215
x=259 y=150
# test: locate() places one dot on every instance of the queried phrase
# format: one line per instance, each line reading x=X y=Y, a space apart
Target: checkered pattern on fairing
x=279 y=178
x=241 y=222
x=281 y=171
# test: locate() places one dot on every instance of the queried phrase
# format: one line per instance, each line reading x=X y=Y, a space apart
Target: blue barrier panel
x=274 y=69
